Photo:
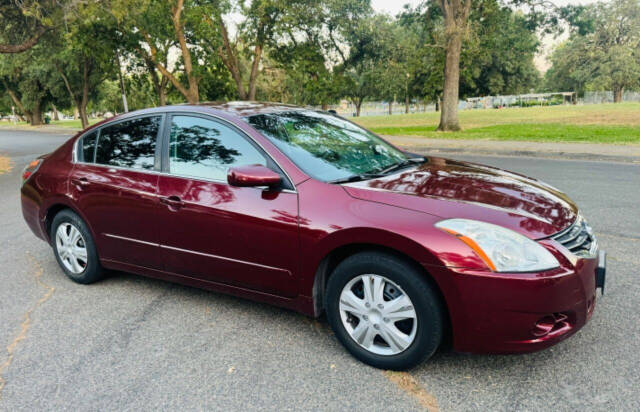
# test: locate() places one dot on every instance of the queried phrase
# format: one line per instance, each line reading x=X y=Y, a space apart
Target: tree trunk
x=36 y=115
x=56 y=116
x=406 y=104
x=84 y=100
x=451 y=90
x=192 y=95
x=230 y=60
x=16 y=100
x=162 y=96
x=617 y=94
x=253 y=77
x=390 y=107
x=325 y=107
x=84 y=118
x=358 y=103
x=456 y=17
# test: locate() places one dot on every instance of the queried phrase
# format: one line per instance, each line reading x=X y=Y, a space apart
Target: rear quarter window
x=87 y=148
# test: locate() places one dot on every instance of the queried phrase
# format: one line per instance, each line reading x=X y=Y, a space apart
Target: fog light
x=548 y=324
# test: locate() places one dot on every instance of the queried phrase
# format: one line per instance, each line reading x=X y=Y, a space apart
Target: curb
x=560 y=155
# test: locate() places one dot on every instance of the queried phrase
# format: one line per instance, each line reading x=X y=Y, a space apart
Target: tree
x=152 y=27
x=498 y=56
x=22 y=77
x=24 y=23
x=606 y=55
x=85 y=55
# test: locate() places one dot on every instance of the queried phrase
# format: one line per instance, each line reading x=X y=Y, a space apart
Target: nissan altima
x=308 y=211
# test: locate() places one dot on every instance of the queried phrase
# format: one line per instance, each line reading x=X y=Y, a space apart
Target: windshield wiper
x=372 y=175
x=356 y=178
x=401 y=165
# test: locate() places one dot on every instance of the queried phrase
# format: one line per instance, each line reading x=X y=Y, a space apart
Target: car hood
x=453 y=189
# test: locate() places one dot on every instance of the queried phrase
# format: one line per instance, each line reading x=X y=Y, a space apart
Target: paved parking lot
x=135 y=343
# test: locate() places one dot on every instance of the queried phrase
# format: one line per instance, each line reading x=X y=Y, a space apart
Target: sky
x=393 y=7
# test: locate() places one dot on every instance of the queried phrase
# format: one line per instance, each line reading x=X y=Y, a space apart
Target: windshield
x=326 y=147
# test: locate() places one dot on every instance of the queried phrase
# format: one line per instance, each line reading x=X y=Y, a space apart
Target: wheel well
x=333 y=259
x=51 y=213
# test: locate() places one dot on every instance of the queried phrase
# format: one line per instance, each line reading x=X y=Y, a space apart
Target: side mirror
x=252 y=176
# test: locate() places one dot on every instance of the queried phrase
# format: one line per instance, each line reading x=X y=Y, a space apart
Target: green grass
x=72 y=124
x=606 y=123
x=66 y=124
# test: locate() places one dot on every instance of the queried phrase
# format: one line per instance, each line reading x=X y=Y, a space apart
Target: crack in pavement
x=26 y=323
x=410 y=386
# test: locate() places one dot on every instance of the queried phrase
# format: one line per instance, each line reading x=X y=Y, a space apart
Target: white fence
x=348 y=109
x=607 y=97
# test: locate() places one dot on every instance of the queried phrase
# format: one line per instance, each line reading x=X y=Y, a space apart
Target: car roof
x=245 y=108
x=238 y=109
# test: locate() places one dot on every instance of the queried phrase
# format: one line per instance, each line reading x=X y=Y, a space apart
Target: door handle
x=174 y=202
x=80 y=182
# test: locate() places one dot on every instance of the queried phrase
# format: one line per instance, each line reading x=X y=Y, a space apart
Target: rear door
x=243 y=236
x=115 y=184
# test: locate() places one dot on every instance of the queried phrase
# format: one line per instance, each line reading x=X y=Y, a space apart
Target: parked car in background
x=305 y=210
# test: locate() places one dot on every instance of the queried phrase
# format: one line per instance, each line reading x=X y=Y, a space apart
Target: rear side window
x=88 y=148
x=131 y=143
x=204 y=148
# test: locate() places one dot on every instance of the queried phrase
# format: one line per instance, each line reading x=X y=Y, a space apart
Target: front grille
x=578 y=238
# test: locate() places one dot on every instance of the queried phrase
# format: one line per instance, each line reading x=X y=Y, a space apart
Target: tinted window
x=205 y=148
x=129 y=144
x=88 y=146
x=326 y=147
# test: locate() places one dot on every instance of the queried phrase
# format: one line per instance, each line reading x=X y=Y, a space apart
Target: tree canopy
x=82 y=56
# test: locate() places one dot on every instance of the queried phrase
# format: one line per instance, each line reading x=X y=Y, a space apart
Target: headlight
x=503 y=250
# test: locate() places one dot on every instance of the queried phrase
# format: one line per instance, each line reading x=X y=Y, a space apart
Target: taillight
x=31 y=169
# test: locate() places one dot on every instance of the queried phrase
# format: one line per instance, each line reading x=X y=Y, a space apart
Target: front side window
x=203 y=148
x=130 y=144
x=326 y=147
x=88 y=148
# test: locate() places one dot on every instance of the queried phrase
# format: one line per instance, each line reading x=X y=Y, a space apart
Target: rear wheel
x=384 y=311
x=74 y=248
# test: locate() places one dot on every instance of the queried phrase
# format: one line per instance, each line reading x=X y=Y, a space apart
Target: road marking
x=5 y=165
x=26 y=323
x=410 y=385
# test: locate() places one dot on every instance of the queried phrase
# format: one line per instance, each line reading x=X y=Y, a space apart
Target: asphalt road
x=139 y=344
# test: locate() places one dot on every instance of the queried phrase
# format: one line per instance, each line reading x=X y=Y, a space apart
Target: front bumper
x=526 y=312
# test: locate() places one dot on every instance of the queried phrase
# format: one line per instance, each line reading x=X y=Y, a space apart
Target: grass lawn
x=602 y=123
x=67 y=124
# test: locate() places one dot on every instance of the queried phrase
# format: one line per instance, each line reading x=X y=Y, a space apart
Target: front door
x=115 y=187
x=247 y=237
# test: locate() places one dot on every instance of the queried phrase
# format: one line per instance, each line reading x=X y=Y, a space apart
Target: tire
x=86 y=272
x=424 y=332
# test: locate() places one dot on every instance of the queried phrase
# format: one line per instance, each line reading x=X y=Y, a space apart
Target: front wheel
x=74 y=248
x=384 y=311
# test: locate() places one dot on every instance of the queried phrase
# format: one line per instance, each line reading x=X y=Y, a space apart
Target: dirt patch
x=5 y=165
x=410 y=385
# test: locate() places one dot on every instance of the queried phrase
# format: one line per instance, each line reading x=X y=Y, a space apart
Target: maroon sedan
x=305 y=210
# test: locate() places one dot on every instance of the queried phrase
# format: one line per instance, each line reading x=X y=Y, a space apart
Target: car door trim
x=195 y=252
x=131 y=240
